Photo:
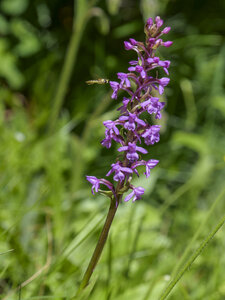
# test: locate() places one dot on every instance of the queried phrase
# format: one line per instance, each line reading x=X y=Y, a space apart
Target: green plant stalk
x=191 y=260
x=100 y=245
x=198 y=232
x=80 y=20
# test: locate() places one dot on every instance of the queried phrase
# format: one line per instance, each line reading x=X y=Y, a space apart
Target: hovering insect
x=97 y=81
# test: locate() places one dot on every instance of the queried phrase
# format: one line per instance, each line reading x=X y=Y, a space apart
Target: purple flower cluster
x=129 y=129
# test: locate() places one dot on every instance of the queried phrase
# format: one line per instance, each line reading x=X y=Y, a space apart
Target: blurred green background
x=50 y=133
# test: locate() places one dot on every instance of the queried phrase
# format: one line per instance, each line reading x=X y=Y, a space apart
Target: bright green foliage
x=48 y=216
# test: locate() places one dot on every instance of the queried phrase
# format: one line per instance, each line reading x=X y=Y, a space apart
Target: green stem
x=100 y=245
x=197 y=234
x=191 y=259
x=78 y=27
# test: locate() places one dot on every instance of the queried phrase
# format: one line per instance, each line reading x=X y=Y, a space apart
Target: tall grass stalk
x=197 y=234
x=179 y=275
x=80 y=19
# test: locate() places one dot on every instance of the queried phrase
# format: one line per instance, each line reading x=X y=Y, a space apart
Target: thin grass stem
x=173 y=283
x=197 y=234
x=80 y=19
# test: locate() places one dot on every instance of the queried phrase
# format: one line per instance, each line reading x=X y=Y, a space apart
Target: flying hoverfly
x=97 y=81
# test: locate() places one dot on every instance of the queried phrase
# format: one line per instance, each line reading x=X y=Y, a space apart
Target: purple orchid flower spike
x=130 y=127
